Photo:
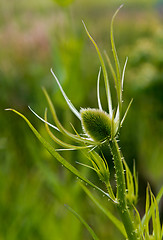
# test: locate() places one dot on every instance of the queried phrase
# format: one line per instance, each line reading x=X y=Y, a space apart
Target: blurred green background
x=38 y=35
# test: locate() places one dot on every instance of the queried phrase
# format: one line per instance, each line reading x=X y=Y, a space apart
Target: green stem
x=121 y=191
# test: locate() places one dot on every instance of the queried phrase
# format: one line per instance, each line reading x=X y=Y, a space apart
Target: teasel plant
x=103 y=128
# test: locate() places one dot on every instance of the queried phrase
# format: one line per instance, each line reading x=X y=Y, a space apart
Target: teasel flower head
x=98 y=125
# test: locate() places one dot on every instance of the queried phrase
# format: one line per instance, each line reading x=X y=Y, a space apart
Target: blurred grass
x=36 y=36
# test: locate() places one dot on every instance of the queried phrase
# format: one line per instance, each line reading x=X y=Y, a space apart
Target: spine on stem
x=121 y=191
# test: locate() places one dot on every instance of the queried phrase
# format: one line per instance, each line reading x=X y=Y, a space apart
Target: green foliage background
x=36 y=36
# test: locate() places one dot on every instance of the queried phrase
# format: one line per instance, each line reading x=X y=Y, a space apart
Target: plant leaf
x=76 y=138
x=135 y=177
x=71 y=106
x=129 y=181
x=155 y=218
x=118 y=70
x=140 y=229
x=60 y=159
x=111 y=217
x=51 y=125
x=112 y=71
x=123 y=73
x=146 y=222
x=124 y=116
x=84 y=222
x=149 y=212
x=60 y=142
x=107 y=87
x=98 y=90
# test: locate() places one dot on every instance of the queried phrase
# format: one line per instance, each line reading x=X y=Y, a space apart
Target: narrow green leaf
x=71 y=106
x=98 y=161
x=147 y=215
x=98 y=90
x=117 y=119
x=118 y=70
x=112 y=71
x=60 y=142
x=146 y=223
x=60 y=159
x=130 y=184
x=123 y=73
x=155 y=218
x=140 y=229
x=51 y=125
x=124 y=116
x=111 y=217
x=90 y=230
x=76 y=138
x=87 y=166
x=135 y=181
x=107 y=87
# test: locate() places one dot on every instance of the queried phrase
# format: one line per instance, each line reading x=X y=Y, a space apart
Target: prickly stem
x=121 y=189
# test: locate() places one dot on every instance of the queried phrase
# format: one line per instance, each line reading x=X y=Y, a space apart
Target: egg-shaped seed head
x=96 y=124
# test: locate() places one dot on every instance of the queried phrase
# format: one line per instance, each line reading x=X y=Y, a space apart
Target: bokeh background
x=38 y=35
